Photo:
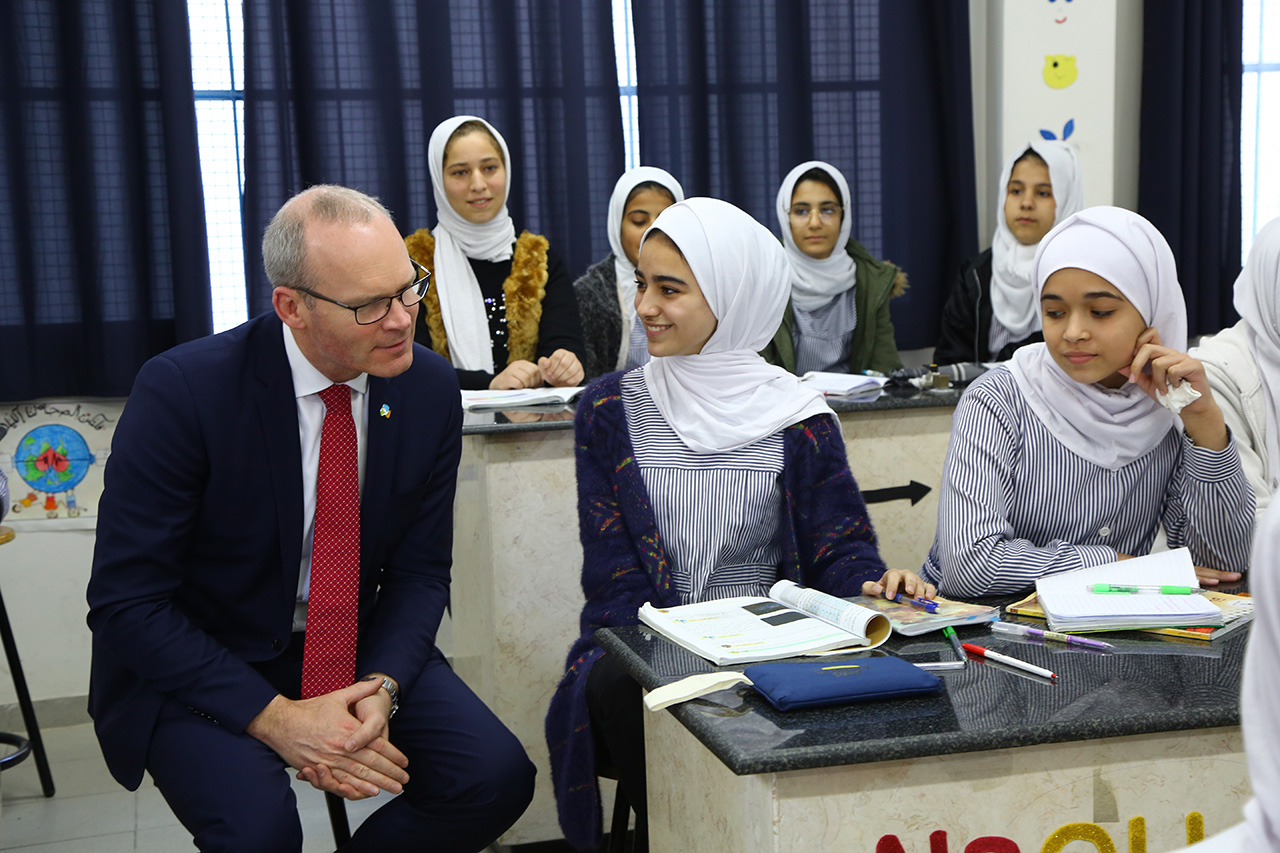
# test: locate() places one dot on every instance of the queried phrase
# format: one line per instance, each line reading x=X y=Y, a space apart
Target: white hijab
x=727 y=396
x=1258 y=301
x=1260 y=693
x=814 y=282
x=465 y=323
x=623 y=270
x=1108 y=427
x=1015 y=298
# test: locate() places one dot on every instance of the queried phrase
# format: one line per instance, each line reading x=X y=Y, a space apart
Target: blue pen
x=929 y=606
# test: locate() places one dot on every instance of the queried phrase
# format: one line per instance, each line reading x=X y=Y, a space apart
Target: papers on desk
x=1070 y=605
x=479 y=401
x=843 y=384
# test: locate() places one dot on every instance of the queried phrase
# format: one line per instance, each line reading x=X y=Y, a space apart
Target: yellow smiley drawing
x=1060 y=70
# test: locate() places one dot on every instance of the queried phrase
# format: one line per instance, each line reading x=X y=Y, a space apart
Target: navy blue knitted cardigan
x=829 y=545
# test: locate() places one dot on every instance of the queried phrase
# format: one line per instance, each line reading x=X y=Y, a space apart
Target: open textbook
x=1070 y=605
x=480 y=401
x=791 y=621
x=910 y=620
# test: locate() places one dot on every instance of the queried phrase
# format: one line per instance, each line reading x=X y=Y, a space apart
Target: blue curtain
x=348 y=91
x=1189 y=178
x=734 y=93
x=103 y=259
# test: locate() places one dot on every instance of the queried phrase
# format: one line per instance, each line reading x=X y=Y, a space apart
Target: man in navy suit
x=201 y=572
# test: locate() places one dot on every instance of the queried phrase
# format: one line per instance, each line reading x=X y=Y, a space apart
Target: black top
x=559 y=327
x=966 y=318
x=1147 y=685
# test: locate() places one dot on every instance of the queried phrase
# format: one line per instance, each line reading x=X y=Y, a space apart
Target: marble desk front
x=518 y=561
x=1124 y=745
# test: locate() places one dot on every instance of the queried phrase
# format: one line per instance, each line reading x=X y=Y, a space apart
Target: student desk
x=518 y=560
x=1125 y=744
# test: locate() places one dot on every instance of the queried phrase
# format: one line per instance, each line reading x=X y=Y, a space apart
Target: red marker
x=1008 y=661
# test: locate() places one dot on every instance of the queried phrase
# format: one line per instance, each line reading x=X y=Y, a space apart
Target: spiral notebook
x=1070 y=605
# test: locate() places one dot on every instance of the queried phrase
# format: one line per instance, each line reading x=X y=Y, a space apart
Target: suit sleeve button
x=276 y=645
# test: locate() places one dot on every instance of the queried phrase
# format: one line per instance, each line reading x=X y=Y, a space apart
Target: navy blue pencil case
x=792 y=685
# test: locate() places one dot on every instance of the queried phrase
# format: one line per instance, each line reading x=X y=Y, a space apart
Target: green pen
x=1148 y=589
x=950 y=634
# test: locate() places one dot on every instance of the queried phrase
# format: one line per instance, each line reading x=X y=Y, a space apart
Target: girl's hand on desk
x=562 y=369
x=1212 y=577
x=516 y=375
x=900 y=580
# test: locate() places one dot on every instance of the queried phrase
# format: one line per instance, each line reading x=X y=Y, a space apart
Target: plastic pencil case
x=789 y=686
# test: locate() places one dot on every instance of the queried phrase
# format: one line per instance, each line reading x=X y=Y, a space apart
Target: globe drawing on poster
x=52 y=459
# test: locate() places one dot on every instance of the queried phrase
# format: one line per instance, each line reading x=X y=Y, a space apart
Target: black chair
x=32 y=743
x=621 y=817
x=338 y=819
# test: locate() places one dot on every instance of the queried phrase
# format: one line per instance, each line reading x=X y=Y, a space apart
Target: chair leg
x=24 y=702
x=338 y=819
x=621 y=817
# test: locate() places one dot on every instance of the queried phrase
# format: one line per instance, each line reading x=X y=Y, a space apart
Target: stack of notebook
x=1070 y=604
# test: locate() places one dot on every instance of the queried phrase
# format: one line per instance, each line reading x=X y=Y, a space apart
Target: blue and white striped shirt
x=824 y=336
x=719 y=515
x=1016 y=504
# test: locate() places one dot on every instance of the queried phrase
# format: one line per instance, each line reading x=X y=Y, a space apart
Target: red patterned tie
x=329 y=653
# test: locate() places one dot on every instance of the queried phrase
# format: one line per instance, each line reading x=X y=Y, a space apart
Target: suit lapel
x=383 y=435
x=277 y=407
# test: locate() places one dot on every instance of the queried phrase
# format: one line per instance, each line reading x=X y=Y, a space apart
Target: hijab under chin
x=727 y=396
x=457 y=239
x=816 y=281
x=623 y=270
x=1257 y=299
x=1015 y=297
x=1109 y=427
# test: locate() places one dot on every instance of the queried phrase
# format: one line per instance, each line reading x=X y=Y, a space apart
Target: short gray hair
x=284 y=244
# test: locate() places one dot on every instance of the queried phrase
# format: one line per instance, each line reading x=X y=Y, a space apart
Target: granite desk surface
x=541 y=418
x=1147 y=685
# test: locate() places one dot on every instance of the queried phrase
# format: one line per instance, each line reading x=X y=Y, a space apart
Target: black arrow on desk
x=915 y=491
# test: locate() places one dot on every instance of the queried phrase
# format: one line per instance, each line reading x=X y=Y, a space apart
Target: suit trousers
x=469 y=777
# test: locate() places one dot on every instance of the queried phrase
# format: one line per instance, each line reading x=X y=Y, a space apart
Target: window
x=217 y=71
x=1260 y=119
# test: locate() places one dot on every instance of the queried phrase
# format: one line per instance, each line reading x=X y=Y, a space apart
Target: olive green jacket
x=873 y=346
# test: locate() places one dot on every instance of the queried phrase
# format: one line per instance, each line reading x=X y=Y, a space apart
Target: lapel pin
x=385 y=411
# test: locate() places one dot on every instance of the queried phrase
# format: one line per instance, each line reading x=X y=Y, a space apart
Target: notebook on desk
x=1070 y=605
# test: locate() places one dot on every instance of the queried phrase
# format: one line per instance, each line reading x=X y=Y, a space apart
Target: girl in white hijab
x=1243 y=363
x=500 y=308
x=606 y=292
x=1074 y=453
x=994 y=306
x=704 y=474
x=838 y=320
x=1259 y=705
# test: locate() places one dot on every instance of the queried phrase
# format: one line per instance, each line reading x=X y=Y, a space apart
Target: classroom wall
x=43 y=574
x=1010 y=43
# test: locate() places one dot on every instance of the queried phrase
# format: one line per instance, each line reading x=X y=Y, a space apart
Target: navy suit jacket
x=195 y=569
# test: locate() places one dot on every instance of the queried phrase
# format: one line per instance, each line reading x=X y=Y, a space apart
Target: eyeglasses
x=828 y=213
x=371 y=312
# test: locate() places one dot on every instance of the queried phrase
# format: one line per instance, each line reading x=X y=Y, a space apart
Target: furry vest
x=523 y=289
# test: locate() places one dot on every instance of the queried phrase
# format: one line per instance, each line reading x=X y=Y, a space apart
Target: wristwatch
x=394 y=692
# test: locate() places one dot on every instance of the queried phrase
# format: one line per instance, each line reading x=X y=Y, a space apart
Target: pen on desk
x=1028 y=631
x=1143 y=588
x=950 y=634
x=1008 y=661
x=930 y=606
x=942 y=666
